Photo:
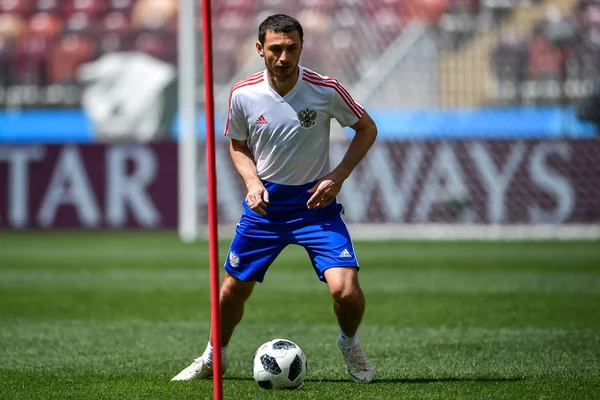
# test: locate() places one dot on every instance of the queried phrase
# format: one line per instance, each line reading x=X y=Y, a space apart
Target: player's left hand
x=325 y=191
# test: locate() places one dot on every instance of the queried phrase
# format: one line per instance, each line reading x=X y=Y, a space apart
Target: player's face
x=281 y=52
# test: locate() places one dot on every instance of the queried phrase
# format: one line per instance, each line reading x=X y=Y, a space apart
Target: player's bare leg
x=233 y=296
x=349 y=307
x=348 y=298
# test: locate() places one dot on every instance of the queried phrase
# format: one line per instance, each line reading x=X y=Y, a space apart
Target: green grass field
x=115 y=316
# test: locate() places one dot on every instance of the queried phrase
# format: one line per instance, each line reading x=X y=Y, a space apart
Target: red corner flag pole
x=212 y=201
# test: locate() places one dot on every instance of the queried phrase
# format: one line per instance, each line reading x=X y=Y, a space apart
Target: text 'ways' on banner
x=135 y=185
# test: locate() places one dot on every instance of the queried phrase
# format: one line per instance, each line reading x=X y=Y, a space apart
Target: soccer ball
x=279 y=364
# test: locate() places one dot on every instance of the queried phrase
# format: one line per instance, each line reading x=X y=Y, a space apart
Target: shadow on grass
x=407 y=380
x=448 y=379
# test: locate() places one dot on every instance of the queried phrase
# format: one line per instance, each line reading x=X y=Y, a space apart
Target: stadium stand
x=43 y=42
x=556 y=62
x=44 y=32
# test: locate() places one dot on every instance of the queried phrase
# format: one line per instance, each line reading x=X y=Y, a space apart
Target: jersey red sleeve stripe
x=228 y=113
x=253 y=76
x=353 y=106
x=356 y=108
x=316 y=76
x=341 y=89
x=244 y=82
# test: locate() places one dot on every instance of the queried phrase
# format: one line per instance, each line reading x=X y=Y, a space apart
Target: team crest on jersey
x=234 y=259
x=307 y=117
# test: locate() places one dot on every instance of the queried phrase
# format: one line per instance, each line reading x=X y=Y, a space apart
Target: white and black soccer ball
x=279 y=364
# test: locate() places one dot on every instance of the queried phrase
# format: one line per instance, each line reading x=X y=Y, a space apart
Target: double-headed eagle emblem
x=307 y=117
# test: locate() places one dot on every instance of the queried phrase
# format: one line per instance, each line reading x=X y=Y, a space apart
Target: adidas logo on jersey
x=345 y=254
x=261 y=120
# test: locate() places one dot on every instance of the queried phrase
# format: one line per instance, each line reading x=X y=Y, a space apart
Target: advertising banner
x=88 y=186
x=135 y=185
x=489 y=182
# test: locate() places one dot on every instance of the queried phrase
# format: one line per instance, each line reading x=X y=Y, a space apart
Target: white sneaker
x=359 y=366
x=199 y=369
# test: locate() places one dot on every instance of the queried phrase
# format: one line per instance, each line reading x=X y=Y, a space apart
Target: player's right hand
x=257 y=199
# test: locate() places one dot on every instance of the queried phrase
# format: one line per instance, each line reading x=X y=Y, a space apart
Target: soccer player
x=279 y=127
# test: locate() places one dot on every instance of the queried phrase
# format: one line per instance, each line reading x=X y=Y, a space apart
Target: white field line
x=445 y=232
x=18 y=253
x=25 y=252
x=430 y=280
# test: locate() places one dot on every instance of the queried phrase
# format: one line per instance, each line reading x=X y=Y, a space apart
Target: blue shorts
x=260 y=239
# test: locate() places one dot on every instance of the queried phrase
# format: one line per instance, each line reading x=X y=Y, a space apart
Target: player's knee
x=234 y=290
x=347 y=294
x=343 y=285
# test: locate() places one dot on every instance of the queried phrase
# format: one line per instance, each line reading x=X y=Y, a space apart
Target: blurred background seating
x=550 y=61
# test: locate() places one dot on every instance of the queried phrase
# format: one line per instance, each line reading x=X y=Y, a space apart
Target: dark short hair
x=279 y=23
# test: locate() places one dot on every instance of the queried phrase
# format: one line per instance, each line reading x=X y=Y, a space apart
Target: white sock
x=347 y=341
x=208 y=353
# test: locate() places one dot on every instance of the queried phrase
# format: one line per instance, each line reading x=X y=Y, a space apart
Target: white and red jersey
x=289 y=136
